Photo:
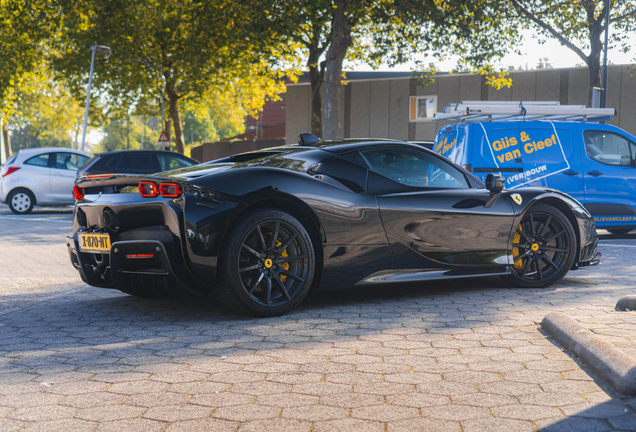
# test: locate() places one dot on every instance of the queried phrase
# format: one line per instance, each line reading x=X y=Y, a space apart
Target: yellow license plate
x=95 y=243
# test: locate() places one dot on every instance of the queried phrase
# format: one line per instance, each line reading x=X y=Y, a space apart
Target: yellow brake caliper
x=515 y=251
x=283 y=265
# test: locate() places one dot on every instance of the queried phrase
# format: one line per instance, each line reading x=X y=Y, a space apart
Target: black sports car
x=260 y=229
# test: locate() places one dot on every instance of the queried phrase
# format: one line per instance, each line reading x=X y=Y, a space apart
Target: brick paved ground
x=455 y=356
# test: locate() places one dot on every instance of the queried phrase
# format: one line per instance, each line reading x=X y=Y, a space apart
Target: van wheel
x=544 y=248
x=21 y=201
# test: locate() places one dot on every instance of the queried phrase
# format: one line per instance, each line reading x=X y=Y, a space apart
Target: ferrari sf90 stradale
x=259 y=230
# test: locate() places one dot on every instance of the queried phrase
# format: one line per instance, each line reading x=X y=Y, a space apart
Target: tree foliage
x=197 y=50
x=24 y=28
x=580 y=26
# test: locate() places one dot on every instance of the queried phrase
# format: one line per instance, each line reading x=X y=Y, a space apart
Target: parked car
x=135 y=162
x=260 y=229
x=593 y=162
x=41 y=176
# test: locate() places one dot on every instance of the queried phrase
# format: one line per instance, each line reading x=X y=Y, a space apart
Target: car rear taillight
x=170 y=190
x=10 y=170
x=148 y=189
x=97 y=175
x=78 y=193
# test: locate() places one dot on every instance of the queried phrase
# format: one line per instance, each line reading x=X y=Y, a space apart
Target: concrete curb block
x=611 y=364
x=626 y=303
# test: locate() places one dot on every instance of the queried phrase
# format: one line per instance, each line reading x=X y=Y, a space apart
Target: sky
x=558 y=56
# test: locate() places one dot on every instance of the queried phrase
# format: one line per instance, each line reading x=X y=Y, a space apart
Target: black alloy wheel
x=543 y=247
x=268 y=264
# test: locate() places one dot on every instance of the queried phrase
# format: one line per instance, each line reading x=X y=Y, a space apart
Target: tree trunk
x=6 y=139
x=340 y=43
x=316 y=77
x=173 y=110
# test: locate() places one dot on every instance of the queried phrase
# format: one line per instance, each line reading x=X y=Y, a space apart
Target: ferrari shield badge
x=516 y=198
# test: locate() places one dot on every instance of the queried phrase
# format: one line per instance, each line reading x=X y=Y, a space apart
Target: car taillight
x=10 y=170
x=170 y=190
x=148 y=189
x=78 y=193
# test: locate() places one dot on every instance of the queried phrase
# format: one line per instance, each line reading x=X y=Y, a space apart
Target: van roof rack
x=480 y=111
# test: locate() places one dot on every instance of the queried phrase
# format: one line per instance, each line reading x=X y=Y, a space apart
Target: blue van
x=593 y=162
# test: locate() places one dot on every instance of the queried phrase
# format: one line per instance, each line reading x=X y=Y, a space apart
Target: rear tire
x=21 y=201
x=267 y=264
x=544 y=248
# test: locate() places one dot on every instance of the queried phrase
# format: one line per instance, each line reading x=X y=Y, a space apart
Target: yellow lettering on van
x=497 y=145
x=513 y=141
x=524 y=137
x=528 y=148
x=540 y=145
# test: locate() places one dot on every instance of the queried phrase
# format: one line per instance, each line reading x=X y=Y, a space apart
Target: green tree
x=195 y=49
x=580 y=26
x=25 y=26
x=391 y=32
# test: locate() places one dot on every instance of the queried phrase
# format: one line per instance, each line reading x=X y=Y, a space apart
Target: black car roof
x=346 y=145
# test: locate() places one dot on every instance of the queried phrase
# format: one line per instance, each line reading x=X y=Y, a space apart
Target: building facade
x=379 y=105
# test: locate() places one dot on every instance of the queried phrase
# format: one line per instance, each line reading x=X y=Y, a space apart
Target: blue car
x=593 y=162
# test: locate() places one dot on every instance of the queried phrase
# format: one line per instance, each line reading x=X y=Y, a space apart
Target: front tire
x=544 y=248
x=267 y=264
x=21 y=201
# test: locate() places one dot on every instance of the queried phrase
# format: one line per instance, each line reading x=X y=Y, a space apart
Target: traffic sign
x=163 y=141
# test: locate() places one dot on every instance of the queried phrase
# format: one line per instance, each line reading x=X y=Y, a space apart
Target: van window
x=608 y=148
x=413 y=168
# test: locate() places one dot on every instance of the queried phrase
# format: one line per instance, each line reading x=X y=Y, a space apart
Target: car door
x=610 y=177
x=35 y=175
x=63 y=175
x=431 y=215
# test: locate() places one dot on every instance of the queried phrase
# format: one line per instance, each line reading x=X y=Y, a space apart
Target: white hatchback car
x=42 y=176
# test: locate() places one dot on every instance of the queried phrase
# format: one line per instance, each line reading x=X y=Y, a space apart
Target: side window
x=608 y=148
x=169 y=162
x=414 y=168
x=40 y=160
x=69 y=161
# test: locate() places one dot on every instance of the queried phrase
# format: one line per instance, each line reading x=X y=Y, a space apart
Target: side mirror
x=495 y=184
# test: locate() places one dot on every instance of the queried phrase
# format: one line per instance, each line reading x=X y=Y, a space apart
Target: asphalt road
x=465 y=355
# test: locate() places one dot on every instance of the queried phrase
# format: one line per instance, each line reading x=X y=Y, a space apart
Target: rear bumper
x=159 y=271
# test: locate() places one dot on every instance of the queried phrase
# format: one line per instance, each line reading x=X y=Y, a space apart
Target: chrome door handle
x=595 y=173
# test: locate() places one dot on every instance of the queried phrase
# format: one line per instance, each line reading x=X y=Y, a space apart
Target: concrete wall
x=380 y=108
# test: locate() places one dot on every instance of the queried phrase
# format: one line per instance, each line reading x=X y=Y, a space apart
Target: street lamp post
x=604 y=68
x=96 y=49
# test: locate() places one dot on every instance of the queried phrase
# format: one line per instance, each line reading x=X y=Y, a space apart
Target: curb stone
x=626 y=303
x=611 y=364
